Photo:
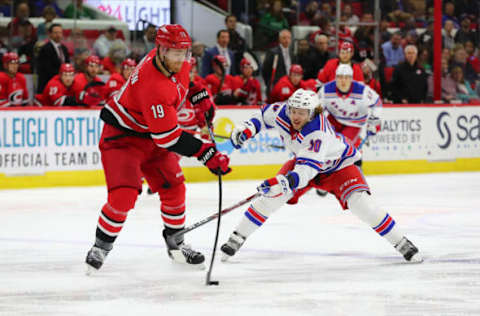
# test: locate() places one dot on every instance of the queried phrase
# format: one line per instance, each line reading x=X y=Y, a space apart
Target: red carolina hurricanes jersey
x=251 y=88
x=81 y=81
x=13 y=90
x=149 y=101
x=54 y=93
x=113 y=85
x=327 y=73
x=213 y=83
x=282 y=90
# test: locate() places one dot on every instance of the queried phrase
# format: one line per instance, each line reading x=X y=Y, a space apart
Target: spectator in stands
x=198 y=51
x=272 y=22
x=409 y=79
x=147 y=42
x=327 y=12
x=369 y=78
x=272 y=72
x=13 y=86
x=117 y=79
x=364 y=34
x=105 y=41
x=42 y=28
x=449 y=86
x=472 y=58
x=20 y=28
x=449 y=15
x=465 y=33
x=392 y=51
x=345 y=55
x=320 y=53
x=51 y=56
x=464 y=89
x=305 y=58
x=426 y=38
x=236 y=44
x=350 y=17
x=113 y=62
x=425 y=60
x=447 y=54
x=220 y=83
x=246 y=89
x=309 y=15
x=40 y=5
x=76 y=41
x=89 y=89
x=448 y=34
x=460 y=59
x=221 y=48
x=287 y=85
x=79 y=11
x=59 y=90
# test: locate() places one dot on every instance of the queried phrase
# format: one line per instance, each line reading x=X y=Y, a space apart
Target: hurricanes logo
x=16 y=97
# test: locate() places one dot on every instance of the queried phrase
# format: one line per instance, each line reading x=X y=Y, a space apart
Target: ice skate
x=409 y=251
x=95 y=258
x=180 y=252
x=235 y=241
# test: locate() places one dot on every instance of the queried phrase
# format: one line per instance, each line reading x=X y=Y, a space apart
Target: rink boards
x=59 y=146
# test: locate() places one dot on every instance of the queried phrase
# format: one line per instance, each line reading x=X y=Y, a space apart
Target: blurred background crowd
x=293 y=44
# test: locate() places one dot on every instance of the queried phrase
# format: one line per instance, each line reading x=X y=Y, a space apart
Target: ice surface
x=308 y=259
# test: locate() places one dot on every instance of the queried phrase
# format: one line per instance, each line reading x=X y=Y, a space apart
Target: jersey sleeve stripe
x=117 y=117
x=167 y=139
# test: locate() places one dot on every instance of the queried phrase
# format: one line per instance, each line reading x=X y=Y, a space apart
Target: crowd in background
x=276 y=65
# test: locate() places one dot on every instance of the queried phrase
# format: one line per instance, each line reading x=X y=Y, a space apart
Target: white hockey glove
x=277 y=186
x=241 y=134
x=373 y=125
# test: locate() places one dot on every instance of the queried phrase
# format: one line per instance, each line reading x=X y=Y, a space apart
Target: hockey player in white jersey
x=322 y=159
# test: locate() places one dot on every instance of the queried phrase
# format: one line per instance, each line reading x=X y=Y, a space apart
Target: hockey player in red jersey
x=59 y=90
x=89 y=89
x=116 y=80
x=345 y=55
x=287 y=85
x=246 y=89
x=13 y=86
x=219 y=83
x=141 y=137
x=194 y=77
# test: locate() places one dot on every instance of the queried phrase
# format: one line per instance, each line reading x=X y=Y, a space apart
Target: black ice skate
x=180 y=252
x=321 y=193
x=95 y=258
x=235 y=241
x=409 y=251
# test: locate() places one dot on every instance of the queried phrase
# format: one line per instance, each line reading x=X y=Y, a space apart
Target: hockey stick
x=363 y=142
x=274 y=70
x=227 y=137
x=171 y=238
x=209 y=273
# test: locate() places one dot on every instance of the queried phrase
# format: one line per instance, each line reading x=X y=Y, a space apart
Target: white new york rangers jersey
x=317 y=148
x=353 y=108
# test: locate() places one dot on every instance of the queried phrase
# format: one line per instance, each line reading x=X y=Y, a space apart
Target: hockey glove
x=278 y=186
x=373 y=125
x=213 y=160
x=202 y=104
x=241 y=134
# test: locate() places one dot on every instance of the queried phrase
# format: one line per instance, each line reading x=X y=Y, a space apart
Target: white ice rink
x=309 y=259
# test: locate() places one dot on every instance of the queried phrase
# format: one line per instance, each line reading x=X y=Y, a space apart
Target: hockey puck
x=213 y=283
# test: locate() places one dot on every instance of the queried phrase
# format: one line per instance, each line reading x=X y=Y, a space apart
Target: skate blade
x=178 y=257
x=415 y=259
x=90 y=270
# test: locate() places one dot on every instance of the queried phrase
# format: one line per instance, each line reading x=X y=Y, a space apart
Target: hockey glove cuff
x=242 y=133
x=373 y=125
x=213 y=160
x=202 y=105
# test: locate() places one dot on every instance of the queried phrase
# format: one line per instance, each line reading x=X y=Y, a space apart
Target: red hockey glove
x=213 y=160
x=202 y=104
x=92 y=94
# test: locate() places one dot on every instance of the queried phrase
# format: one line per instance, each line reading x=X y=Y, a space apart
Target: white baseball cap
x=344 y=70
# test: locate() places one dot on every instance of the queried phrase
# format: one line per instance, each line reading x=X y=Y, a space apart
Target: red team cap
x=66 y=68
x=129 y=63
x=346 y=45
x=245 y=62
x=296 y=69
x=92 y=59
x=9 y=57
x=219 y=59
x=173 y=36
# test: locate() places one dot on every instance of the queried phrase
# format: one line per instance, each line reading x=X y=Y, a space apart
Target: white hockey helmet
x=303 y=99
x=344 y=70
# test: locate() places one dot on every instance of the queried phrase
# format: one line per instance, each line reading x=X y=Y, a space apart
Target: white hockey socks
x=362 y=205
x=258 y=212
